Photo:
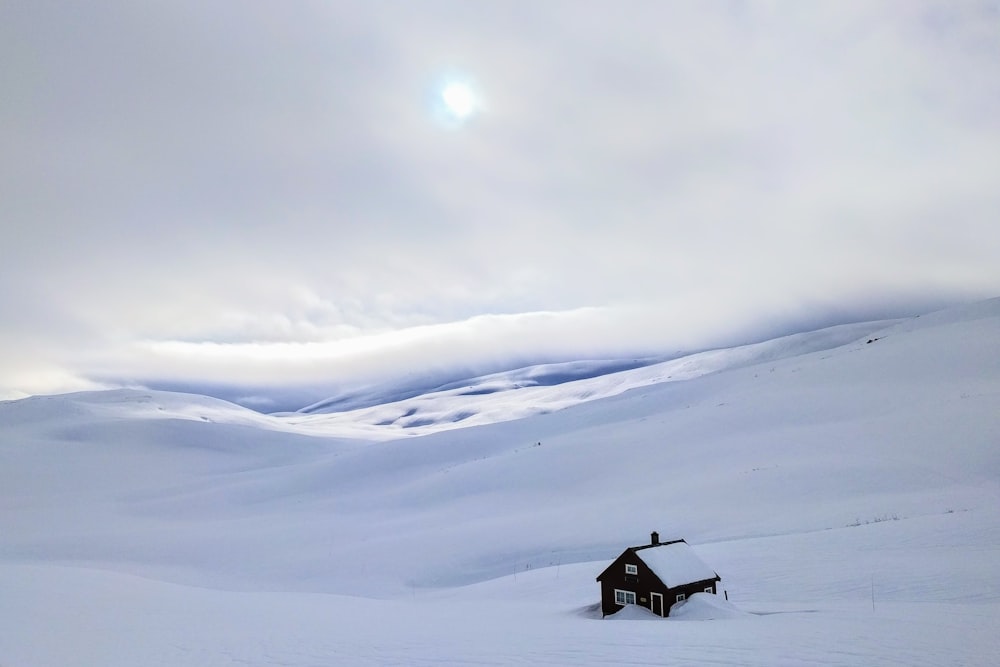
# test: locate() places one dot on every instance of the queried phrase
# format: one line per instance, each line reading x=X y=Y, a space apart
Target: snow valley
x=845 y=484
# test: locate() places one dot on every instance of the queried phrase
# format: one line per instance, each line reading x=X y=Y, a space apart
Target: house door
x=656 y=603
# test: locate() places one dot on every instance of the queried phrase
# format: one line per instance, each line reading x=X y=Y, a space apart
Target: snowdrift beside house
x=705 y=607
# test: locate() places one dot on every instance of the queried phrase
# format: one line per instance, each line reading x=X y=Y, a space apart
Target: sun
x=460 y=100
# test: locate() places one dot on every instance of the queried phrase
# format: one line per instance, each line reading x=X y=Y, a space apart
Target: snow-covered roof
x=675 y=563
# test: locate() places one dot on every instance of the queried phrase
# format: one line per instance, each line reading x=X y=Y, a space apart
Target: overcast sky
x=256 y=194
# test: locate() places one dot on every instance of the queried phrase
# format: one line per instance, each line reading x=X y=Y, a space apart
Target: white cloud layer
x=266 y=192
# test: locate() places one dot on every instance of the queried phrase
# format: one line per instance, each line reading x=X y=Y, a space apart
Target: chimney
x=654 y=538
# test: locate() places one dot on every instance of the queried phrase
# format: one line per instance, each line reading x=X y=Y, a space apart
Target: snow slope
x=847 y=494
x=545 y=388
x=398 y=390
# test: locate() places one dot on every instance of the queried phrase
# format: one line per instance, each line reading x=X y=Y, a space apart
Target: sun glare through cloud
x=460 y=100
x=456 y=100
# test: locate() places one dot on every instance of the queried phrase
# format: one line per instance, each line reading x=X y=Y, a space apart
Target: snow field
x=166 y=529
x=791 y=613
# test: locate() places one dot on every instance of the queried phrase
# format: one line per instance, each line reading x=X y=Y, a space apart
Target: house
x=656 y=576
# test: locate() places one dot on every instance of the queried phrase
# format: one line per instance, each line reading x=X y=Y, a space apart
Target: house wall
x=643 y=585
x=614 y=577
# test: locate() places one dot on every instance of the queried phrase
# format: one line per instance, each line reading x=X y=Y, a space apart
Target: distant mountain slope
x=540 y=389
x=538 y=375
x=497 y=397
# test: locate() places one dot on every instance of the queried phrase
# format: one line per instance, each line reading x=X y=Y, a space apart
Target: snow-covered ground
x=847 y=491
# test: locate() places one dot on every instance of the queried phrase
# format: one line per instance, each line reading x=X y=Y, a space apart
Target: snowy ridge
x=497 y=397
x=521 y=393
x=531 y=376
x=848 y=494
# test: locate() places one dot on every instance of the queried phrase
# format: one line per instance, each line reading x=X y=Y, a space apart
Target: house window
x=624 y=597
x=709 y=590
x=680 y=597
x=631 y=569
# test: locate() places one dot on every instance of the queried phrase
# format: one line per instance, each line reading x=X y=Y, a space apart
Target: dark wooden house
x=656 y=576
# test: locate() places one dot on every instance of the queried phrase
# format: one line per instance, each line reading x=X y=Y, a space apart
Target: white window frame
x=624 y=597
x=681 y=597
x=710 y=589
x=631 y=569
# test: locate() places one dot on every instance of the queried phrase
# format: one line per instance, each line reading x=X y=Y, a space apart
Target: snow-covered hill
x=535 y=390
x=845 y=484
x=400 y=389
